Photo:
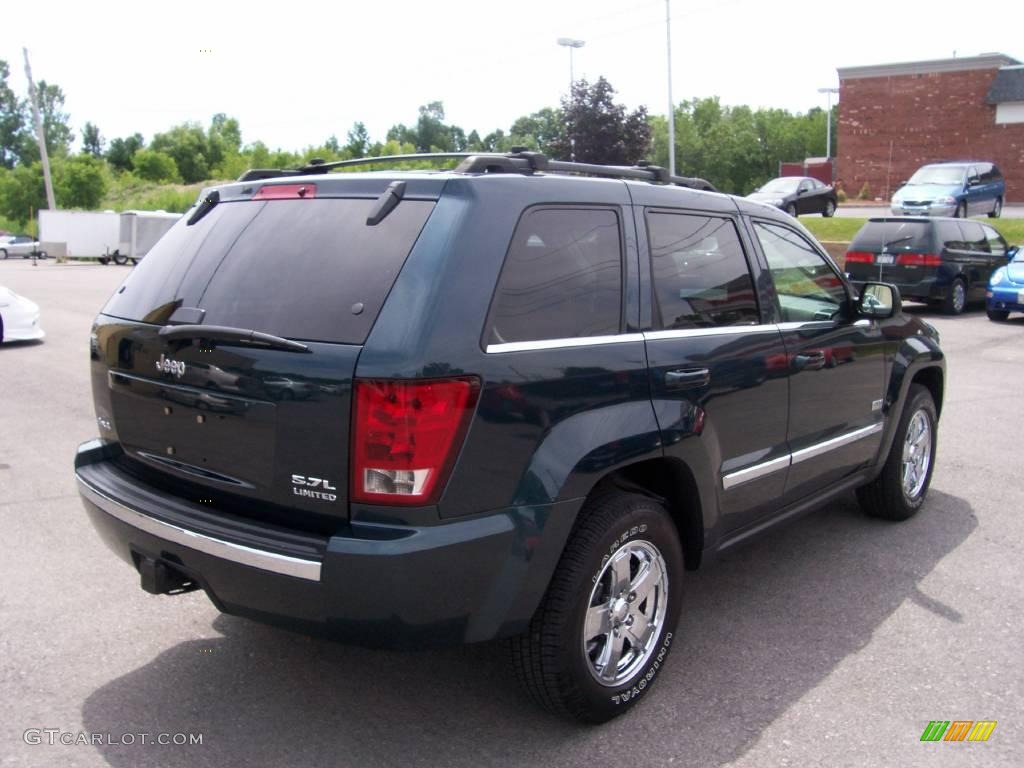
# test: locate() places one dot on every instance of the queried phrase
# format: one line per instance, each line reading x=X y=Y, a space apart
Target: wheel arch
x=671 y=482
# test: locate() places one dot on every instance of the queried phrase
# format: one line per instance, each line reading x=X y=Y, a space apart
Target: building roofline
x=960 y=64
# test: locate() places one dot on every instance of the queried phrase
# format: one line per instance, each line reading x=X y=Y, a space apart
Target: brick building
x=894 y=118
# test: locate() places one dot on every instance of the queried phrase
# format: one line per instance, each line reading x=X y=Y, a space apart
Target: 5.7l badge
x=303 y=486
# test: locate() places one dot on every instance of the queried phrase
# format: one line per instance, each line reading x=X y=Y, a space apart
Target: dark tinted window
x=990 y=173
x=562 y=277
x=701 y=278
x=808 y=288
x=950 y=235
x=896 y=235
x=973 y=235
x=996 y=244
x=293 y=268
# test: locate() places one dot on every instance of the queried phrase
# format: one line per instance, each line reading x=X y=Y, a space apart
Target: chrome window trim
x=226 y=550
x=757 y=471
x=581 y=341
x=836 y=442
x=725 y=330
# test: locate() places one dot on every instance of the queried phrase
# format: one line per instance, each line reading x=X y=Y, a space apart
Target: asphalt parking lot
x=832 y=642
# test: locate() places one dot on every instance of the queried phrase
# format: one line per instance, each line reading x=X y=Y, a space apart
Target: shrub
x=865 y=192
x=155 y=166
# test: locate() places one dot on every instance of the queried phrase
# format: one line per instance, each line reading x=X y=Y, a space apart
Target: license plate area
x=221 y=436
x=885 y=258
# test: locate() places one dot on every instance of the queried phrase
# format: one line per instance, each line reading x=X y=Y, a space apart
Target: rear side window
x=895 y=235
x=996 y=244
x=292 y=268
x=562 y=277
x=701 y=277
x=973 y=236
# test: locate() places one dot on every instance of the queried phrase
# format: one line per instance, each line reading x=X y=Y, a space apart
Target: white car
x=19 y=317
x=20 y=245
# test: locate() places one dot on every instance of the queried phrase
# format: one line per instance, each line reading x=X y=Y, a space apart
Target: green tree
x=80 y=181
x=604 y=132
x=92 y=141
x=121 y=152
x=153 y=165
x=12 y=121
x=191 y=149
x=228 y=131
x=540 y=131
x=21 y=192
x=56 y=125
x=358 y=140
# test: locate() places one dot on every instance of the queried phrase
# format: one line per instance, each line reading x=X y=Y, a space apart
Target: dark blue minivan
x=963 y=189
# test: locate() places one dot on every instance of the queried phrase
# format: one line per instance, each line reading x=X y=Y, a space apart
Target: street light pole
x=828 y=120
x=671 y=106
x=570 y=43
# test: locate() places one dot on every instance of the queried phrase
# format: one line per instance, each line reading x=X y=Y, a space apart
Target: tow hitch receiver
x=160 y=579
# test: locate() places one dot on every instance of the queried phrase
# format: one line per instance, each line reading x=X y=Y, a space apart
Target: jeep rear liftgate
x=223 y=366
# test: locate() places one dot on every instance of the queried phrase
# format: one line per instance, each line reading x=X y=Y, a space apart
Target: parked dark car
x=1006 y=288
x=797 y=195
x=940 y=260
x=963 y=189
x=541 y=397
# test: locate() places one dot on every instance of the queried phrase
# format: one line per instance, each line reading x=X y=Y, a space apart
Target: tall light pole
x=828 y=120
x=671 y=106
x=570 y=43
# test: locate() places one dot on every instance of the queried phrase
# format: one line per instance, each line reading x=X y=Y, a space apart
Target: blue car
x=968 y=188
x=1005 y=292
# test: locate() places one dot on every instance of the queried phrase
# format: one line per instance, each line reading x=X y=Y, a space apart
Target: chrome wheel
x=917 y=454
x=959 y=299
x=626 y=613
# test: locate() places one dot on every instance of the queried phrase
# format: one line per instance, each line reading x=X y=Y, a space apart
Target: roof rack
x=519 y=160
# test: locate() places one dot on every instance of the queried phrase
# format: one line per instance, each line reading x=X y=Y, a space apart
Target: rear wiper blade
x=229 y=335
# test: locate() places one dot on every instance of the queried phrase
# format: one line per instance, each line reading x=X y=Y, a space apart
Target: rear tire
x=605 y=627
x=791 y=210
x=899 y=491
x=956 y=297
x=119 y=259
x=997 y=209
x=830 y=209
x=997 y=315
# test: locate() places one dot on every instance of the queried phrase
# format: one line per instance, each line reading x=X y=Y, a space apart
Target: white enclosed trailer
x=83 y=233
x=141 y=229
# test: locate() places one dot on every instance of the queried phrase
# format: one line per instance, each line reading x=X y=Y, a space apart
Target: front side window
x=701 y=277
x=807 y=286
x=562 y=277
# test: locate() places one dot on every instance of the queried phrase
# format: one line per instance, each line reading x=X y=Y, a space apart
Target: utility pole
x=40 y=135
x=828 y=120
x=671 y=106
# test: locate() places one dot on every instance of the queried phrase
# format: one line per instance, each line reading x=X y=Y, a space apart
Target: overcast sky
x=295 y=72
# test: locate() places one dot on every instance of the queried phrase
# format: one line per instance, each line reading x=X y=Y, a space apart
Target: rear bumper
x=381 y=585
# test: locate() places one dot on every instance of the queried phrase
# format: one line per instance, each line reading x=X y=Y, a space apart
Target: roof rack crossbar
x=518 y=161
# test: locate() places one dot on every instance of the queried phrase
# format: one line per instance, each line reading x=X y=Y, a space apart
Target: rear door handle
x=686 y=378
x=812 y=361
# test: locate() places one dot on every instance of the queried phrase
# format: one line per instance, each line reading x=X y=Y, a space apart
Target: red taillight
x=919 y=260
x=405 y=437
x=286 y=192
x=860 y=257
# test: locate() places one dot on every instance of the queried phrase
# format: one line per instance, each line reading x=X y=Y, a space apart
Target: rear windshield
x=896 y=235
x=294 y=268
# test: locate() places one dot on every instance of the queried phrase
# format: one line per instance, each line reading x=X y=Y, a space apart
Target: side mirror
x=1012 y=251
x=879 y=301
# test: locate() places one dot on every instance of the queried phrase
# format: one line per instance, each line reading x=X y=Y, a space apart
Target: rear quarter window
x=562 y=277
